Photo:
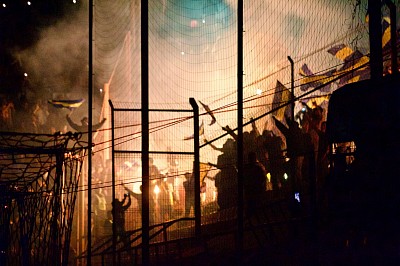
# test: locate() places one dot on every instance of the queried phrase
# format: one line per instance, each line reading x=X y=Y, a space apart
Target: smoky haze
x=186 y=61
x=56 y=65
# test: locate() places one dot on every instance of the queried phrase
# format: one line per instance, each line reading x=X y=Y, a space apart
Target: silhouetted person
x=299 y=147
x=226 y=179
x=153 y=170
x=254 y=184
x=275 y=162
x=230 y=132
x=100 y=210
x=7 y=111
x=118 y=209
x=164 y=200
x=188 y=185
x=139 y=199
x=84 y=124
x=213 y=146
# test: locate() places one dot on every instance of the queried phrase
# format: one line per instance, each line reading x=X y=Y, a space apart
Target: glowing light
x=303 y=109
x=101 y=90
x=297 y=196
x=203 y=197
x=204 y=21
x=4 y=5
x=193 y=23
x=258 y=91
x=182 y=53
x=269 y=177
x=128 y=163
x=156 y=189
x=74 y=1
x=285 y=176
x=29 y=3
x=25 y=74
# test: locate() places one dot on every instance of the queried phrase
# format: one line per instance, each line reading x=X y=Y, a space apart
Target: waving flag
x=355 y=64
x=201 y=132
x=281 y=96
x=341 y=51
x=70 y=104
x=311 y=80
x=386 y=33
x=311 y=102
x=208 y=110
x=352 y=60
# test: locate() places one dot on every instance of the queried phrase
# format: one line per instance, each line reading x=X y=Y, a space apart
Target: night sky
x=20 y=28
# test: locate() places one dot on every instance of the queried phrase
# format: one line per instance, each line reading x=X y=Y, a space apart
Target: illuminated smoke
x=193 y=52
x=58 y=64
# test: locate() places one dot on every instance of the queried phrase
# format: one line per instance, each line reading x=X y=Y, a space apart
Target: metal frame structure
x=39 y=176
x=145 y=199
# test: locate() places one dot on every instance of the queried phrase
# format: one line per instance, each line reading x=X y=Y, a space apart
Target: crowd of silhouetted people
x=25 y=116
x=293 y=163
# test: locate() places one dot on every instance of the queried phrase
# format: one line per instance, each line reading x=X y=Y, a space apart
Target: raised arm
x=282 y=128
x=254 y=127
x=135 y=195
x=128 y=204
x=230 y=131
x=212 y=145
x=99 y=125
x=73 y=125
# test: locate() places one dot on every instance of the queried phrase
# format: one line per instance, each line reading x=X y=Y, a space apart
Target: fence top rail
x=156 y=152
x=152 y=110
x=136 y=106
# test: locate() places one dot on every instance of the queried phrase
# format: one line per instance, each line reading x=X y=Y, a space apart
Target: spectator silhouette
x=6 y=115
x=294 y=147
x=118 y=209
x=84 y=124
x=139 y=198
x=100 y=210
x=153 y=170
x=230 y=131
x=164 y=200
x=302 y=161
x=275 y=162
x=226 y=179
x=188 y=185
x=254 y=184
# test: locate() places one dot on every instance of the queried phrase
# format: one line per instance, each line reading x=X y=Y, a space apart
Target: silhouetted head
x=188 y=175
x=116 y=203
